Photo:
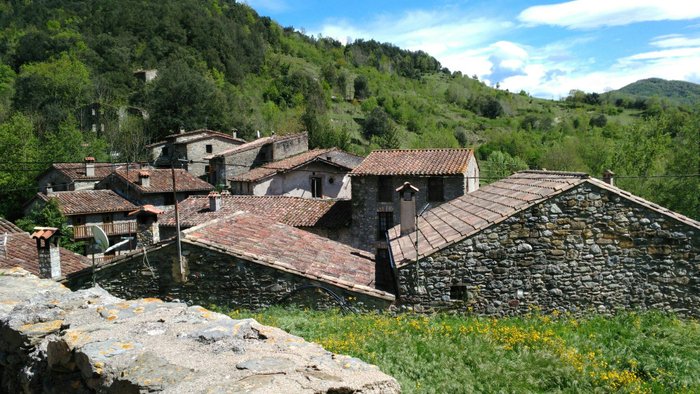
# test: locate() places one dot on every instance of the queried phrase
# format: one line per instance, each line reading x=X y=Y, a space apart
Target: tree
x=181 y=96
x=377 y=123
x=361 y=85
x=49 y=214
x=54 y=89
x=20 y=150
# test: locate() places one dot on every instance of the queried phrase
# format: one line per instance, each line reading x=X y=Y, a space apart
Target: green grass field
x=627 y=353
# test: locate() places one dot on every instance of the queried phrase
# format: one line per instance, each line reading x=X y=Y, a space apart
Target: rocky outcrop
x=53 y=340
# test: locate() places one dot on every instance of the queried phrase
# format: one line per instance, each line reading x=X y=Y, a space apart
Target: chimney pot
x=609 y=177
x=89 y=166
x=214 y=201
x=257 y=133
x=407 y=196
x=48 y=251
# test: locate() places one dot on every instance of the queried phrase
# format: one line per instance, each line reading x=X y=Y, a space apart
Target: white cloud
x=586 y=14
x=675 y=41
x=438 y=32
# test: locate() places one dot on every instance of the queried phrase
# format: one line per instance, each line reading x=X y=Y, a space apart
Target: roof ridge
x=551 y=172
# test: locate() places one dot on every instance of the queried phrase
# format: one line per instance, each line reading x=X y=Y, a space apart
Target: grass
x=628 y=353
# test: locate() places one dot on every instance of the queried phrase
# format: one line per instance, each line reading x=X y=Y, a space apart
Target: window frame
x=385 y=190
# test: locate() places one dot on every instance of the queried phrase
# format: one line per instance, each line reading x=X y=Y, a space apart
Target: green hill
x=67 y=64
x=679 y=92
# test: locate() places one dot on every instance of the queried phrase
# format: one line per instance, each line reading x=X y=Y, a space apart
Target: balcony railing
x=120 y=228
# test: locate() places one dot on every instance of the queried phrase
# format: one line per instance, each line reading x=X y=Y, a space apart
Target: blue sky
x=543 y=47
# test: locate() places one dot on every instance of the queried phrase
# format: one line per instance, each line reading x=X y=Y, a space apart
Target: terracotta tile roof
x=21 y=251
x=464 y=216
x=44 y=232
x=263 y=241
x=148 y=208
x=254 y=144
x=333 y=156
x=7 y=226
x=196 y=135
x=161 y=181
x=76 y=171
x=89 y=201
x=292 y=211
x=417 y=162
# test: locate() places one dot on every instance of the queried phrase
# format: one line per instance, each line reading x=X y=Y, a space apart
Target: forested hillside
x=222 y=66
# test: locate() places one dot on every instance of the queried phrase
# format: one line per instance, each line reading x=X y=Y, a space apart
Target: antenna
x=101 y=243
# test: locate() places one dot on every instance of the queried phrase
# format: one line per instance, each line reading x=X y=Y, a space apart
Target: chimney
x=214 y=201
x=147 y=232
x=49 y=188
x=257 y=133
x=407 y=196
x=234 y=133
x=609 y=177
x=144 y=179
x=48 y=250
x=182 y=129
x=89 y=166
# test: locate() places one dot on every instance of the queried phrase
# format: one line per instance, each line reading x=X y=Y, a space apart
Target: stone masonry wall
x=214 y=279
x=196 y=151
x=365 y=205
x=585 y=249
x=55 y=341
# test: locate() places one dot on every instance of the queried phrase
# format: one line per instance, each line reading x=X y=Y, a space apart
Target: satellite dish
x=101 y=240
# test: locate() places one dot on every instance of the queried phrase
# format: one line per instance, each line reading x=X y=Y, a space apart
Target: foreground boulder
x=53 y=340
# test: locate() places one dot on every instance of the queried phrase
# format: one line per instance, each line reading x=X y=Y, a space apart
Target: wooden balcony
x=120 y=228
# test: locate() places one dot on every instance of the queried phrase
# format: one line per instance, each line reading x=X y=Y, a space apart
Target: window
x=385 y=191
x=210 y=149
x=316 y=187
x=207 y=169
x=435 y=189
x=385 y=221
x=165 y=151
x=107 y=218
x=78 y=220
x=458 y=292
x=168 y=199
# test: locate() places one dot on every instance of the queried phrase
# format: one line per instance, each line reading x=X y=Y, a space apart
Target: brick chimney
x=407 y=197
x=609 y=177
x=214 y=201
x=144 y=178
x=49 y=252
x=89 y=166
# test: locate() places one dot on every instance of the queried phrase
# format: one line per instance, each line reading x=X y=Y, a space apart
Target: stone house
x=38 y=253
x=77 y=176
x=319 y=173
x=154 y=186
x=227 y=164
x=550 y=241
x=245 y=261
x=85 y=208
x=192 y=146
x=328 y=218
x=445 y=174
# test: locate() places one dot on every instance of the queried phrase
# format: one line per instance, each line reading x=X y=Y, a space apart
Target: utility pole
x=181 y=266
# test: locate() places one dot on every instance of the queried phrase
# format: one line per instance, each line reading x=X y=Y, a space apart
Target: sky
x=544 y=47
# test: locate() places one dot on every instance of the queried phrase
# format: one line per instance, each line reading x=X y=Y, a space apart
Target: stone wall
x=289 y=146
x=365 y=205
x=297 y=183
x=584 y=249
x=53 y=340
x=215 y=279
x=197 y=150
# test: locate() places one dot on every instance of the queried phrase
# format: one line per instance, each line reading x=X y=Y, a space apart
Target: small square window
x=210 y=148
x=78 y=220
x=458 y=292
